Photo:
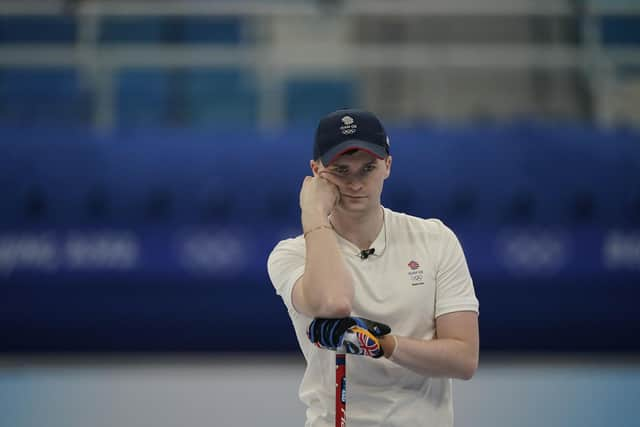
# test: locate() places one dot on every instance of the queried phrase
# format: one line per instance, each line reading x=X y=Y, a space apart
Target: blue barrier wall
x=158 y=239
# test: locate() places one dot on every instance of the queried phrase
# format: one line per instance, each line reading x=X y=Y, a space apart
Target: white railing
x=288 y=7
x=275 y=61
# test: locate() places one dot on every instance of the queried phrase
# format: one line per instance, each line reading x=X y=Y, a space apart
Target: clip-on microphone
x=364 y=254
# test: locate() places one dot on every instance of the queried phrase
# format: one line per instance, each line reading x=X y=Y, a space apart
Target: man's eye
x=341 y=171
x=369 y=168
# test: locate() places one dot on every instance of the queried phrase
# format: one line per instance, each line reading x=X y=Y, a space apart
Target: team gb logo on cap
x=348 y=126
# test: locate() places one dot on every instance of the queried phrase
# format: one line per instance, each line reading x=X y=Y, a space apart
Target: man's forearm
x=446 y=357
x=327 y=285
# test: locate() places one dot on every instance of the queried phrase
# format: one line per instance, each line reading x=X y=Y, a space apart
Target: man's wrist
x=314 y=218
x=389 y=344
x=305 y=233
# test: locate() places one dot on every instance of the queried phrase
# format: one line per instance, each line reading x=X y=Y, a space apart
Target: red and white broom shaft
x=341 y=390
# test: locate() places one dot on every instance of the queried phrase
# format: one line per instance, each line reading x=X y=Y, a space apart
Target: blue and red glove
x=352 y=335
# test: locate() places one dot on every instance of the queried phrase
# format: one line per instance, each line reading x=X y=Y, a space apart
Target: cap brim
x=353 y=144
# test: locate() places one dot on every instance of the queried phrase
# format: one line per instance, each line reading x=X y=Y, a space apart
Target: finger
x=382 y=329
x=325 y=172
x=311 y=331
x=329 y=176
x=379 y=329
x=332 y=180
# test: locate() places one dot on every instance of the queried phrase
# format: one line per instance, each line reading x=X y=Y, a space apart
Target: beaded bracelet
x=320 y=227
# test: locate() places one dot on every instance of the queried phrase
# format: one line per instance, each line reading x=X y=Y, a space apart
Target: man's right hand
x=318 y=197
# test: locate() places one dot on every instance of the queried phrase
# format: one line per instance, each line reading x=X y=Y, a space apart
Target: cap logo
x=348 y=126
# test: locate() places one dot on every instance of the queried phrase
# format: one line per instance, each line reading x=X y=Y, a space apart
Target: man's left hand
x=352 y=335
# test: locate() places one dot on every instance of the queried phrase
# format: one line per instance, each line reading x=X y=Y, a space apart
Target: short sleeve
x=454 y=286
x=286 y=265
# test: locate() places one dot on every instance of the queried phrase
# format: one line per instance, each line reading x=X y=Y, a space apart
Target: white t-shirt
x=417 y=273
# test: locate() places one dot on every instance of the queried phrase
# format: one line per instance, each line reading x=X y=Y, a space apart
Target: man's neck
x=361 y=229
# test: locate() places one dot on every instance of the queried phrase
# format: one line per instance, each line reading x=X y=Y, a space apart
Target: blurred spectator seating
x=517 y=175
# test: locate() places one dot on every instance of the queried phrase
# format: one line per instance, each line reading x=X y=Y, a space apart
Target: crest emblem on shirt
x=416 y=276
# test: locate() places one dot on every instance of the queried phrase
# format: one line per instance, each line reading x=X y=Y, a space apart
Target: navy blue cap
x=346 y=130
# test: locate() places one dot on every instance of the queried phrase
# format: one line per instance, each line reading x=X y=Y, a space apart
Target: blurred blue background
x=151 y=155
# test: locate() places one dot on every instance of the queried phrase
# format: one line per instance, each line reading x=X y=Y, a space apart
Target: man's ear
x=315 y=166
x=387 y=163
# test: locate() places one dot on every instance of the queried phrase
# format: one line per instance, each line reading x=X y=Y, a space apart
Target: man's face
x=359 y=176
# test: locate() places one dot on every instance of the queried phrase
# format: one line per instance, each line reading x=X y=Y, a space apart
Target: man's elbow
x=469 y=369
x=330 y=308
x=335 y=308
x=325 y=304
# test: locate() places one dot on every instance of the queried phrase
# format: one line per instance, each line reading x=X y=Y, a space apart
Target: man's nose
x=354 y=183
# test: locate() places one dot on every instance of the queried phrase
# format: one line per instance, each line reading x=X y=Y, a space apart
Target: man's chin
x=355 y=205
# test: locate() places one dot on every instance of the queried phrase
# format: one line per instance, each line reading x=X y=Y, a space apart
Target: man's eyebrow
x=335 y=166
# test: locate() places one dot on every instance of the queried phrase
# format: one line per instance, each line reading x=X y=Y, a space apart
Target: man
x=357 y=260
